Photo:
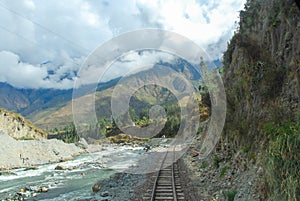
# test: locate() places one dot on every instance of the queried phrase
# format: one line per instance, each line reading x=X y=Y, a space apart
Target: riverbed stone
x=95 y=188
x=44 y=189
x=105 y=194
x=60 y=167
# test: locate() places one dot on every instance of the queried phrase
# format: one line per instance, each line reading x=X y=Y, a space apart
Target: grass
x=223 y=171
x=26 y=138
x=203 y=165
x=123 y=138
x=282 y=162
x=216 y=161
x=147 y=139
x=229 y=195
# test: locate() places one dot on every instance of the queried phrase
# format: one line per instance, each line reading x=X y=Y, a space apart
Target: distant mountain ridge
x=36 y=104
x=141 y=100
x=28 y=101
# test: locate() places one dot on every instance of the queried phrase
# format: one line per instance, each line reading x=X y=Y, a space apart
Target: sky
x=44 y=43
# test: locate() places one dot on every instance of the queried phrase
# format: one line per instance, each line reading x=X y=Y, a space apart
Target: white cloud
x=136 y=61
x=64 y=32
x=204 y=23
x=24 y=75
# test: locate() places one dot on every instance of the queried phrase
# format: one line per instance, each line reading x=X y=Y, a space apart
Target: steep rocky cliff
x=257 y=157
x=262 y=81
x=262 y=68
x=18 y=127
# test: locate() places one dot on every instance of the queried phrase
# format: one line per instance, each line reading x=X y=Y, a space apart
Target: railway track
x=166 y=185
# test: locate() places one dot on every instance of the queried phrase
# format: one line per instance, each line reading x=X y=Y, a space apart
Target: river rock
x=24 y=193
x=105 y=194
x=33 y=188
x=44 y=189
x=60 y=167
x=82 y=143
x=31 y=168
x=195 y=154
x=7 y=173
x=55 y=152
x=95 y=188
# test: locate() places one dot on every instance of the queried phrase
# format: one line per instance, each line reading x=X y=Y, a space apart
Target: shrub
x=68 y=134
x=216 y=161
x=229 y=195
x=283 y=162
x=223 y=170
x=203 y=165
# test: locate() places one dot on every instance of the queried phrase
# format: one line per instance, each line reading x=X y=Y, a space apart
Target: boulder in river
x=95 y=188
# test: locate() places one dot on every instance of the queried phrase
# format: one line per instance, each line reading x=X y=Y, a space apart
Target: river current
x=76 y=181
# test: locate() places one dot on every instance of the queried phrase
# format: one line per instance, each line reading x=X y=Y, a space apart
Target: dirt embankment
x=25 y=153
x=18 y=127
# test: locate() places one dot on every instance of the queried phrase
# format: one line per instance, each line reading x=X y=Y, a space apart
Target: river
x=75 y=182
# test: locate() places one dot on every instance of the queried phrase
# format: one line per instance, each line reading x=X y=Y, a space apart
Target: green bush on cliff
x=283 y=162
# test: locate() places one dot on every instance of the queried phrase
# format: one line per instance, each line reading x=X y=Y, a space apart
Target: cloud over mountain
x=46 y=41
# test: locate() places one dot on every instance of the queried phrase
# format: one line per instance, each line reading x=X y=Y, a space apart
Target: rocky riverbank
x=27 y=193
x=89 y=176
x=119 y=186
x=26 y=153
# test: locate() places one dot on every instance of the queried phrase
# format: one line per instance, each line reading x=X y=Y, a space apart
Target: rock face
x=262 y=83
x=18 y=127
x=261 y=68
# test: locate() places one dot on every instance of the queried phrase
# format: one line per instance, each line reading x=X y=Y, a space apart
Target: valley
x=153 y=133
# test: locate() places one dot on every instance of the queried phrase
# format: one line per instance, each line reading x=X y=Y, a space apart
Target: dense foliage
x=67 y=134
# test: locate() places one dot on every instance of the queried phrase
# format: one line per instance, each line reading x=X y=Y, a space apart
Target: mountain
x=29 y=101
x=182 y=66
x=141 y=100
x=38 y=104
x=18 y=127
x=12 y=98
